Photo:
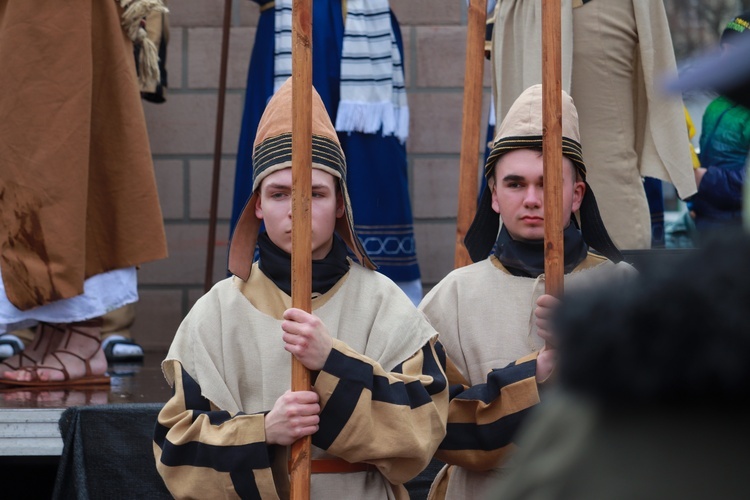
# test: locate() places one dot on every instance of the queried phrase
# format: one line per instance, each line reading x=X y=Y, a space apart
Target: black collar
x=527 y=258
x=277 y=265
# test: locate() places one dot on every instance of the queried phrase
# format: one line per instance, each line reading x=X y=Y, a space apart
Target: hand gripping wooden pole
x=552 y=146
x=470 y=127
x=301 y=216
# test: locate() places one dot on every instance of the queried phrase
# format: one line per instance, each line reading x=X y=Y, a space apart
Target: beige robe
x=484 y=316
x=230 y=344
x=77 y=190
x=614 y=54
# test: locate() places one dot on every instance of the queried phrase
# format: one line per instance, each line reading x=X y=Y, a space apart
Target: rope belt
x=337 y=466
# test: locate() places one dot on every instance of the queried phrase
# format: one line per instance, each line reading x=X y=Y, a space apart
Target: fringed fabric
x=373 y=95
x=134 y=23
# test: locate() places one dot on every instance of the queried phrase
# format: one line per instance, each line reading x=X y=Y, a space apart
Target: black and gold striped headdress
x=522 y=129
x=273 y=152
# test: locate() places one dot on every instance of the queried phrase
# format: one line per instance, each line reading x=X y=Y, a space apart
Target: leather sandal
x=88 y=379
x=24 y=360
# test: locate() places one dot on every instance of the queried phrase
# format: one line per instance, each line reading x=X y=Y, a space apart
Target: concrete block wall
x=182 y=133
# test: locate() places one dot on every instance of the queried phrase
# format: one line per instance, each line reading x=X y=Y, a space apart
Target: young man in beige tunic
x=485 y=312
x=379 y=403
x=614 y=53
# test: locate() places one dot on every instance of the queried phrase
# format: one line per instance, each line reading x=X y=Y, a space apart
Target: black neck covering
x=526 y=259
x=277 y=265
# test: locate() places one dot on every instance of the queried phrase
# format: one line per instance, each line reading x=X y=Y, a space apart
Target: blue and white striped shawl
x=373 y=96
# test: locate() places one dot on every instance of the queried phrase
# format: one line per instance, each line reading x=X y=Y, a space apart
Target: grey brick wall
x=182 y=140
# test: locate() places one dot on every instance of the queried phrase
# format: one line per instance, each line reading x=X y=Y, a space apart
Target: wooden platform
x=29 y=417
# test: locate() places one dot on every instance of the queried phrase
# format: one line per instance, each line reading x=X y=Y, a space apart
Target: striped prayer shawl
x=373 y=96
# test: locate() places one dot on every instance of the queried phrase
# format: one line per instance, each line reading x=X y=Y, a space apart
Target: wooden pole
x=208 y=277
x=301 y=216
x=470 y=127
x=552 y=146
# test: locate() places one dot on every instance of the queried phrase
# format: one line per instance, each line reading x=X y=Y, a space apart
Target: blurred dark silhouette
x=728 y=75
x=654 y=385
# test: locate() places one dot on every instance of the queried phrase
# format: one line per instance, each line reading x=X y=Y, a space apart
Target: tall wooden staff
x=216 y=173
x=468 y=175
x=552 y=146
x=301 y=218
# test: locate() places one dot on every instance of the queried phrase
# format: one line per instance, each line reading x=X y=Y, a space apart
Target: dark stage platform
x=104 y=450
x=90 y=443
x=29 y=417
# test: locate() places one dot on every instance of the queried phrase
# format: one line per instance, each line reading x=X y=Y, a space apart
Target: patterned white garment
x=373 y=95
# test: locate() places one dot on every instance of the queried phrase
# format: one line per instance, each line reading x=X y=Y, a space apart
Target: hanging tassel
x=134 y=24
x=149 y=64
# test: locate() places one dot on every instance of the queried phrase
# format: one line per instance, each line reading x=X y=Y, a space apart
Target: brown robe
x=77 y=190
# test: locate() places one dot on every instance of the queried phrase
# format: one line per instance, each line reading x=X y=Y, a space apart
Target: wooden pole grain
x=218 y=133
x=552 y=146
x=470 y=127
x=300 y=465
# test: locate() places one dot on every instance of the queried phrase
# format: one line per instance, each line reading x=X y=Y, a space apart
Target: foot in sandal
x=46 y=339
x=77 y=360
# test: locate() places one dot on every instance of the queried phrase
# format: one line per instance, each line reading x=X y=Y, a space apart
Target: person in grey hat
x=485 y=312
x=726 y=71
x=724 y=148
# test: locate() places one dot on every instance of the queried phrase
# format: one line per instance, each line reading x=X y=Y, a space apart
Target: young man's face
x=274 y=207
x=518 y=193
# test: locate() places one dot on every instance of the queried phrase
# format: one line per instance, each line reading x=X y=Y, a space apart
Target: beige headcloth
x=522 y=128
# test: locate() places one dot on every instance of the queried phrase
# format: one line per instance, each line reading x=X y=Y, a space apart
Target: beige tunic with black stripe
x=484 y=316
x=383 y=391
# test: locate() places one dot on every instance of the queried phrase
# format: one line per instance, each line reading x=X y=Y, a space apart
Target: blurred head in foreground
x=654 y=382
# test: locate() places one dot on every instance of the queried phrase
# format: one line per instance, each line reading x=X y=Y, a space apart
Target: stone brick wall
x=182 y=141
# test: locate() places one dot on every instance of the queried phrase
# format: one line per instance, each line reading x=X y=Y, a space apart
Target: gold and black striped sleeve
x=483 y=419
x=393 y=420
x=204 y=452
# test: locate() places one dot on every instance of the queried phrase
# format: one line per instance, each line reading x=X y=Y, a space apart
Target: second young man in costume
x=613 y=54
x=484 y=312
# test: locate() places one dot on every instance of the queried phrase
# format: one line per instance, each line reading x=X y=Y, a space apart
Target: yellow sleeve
x=204 y=452
x=483 y=419
x=394 y=420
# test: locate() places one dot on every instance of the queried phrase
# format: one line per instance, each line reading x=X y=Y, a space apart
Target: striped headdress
x=273 y=152
x=522 y=129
